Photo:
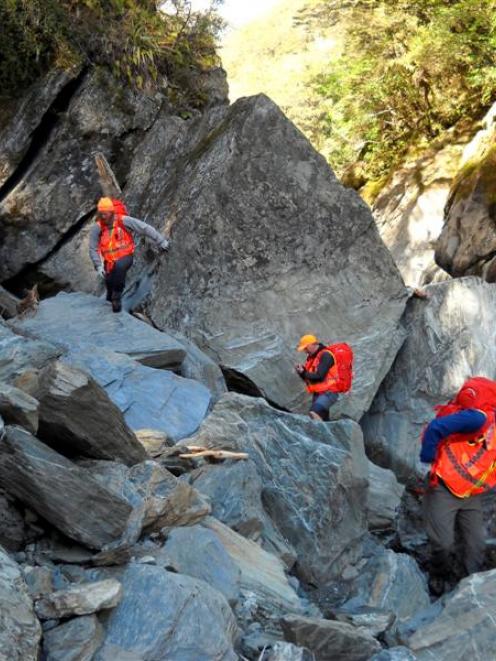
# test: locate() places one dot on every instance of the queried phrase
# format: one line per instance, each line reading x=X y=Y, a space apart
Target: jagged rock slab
x=60 y=188
x=147 y=397
x=462 y=625
x=79 y=600
x=76 y=640
x=451 y=337
x=198 y=552
x=235 y=492
x=314 y=484
x=329 y=640
x=161 y=500
x=168 y=616
x=391 y=582
x=267 y=245
x=60 y=492
x=18 y=408
x=77 y=417
x=154 y=441
x=394 y=654
x=409 y=210
x=20 y=631
x=78 y=320
x=383 y=498
x=18 y=353
x=262 y=576
x=467 y=244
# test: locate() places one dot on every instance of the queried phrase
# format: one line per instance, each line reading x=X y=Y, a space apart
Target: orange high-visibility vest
x=115 y=242
x=467 y=462
x=330 y=379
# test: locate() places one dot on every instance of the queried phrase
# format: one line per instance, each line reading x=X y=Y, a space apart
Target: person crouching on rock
x=460 y=445
x=326 y=372
x=112 y=245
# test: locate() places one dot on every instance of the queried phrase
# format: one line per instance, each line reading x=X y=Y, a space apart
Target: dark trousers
x=115 y=280
x=442 y=512
x=322 y=402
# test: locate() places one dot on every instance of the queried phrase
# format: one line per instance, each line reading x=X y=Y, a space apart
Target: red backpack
x=119 y=207
x=343 y=361
x=477 y=392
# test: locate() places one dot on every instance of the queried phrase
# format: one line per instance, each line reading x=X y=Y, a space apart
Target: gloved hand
x=101 y=271
x=164 y=245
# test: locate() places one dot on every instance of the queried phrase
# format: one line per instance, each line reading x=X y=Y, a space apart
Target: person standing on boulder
x=460 y=445
x=326 y=372
x=112 y=245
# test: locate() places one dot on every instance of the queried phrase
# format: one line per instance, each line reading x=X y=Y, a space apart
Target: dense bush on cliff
x=409 y=71
x=138 y=42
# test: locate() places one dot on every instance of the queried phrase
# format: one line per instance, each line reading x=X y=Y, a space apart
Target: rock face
x=383 y=498
x=18 y=354
x=78 y=418
x=314 y=486
x=451 y=337
x=18 y=408
x=20 y=631
x=409 y=211
x=462 y=625
x=168 y=616
x=59 y=491
x=239 y=198
x=79 y=600
x=146 y=396
x=467 y=243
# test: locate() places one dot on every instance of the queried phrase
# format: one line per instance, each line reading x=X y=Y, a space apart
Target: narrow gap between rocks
x=240 y=383
x=42 y=133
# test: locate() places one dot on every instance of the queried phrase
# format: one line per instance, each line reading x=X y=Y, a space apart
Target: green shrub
x=137 y=42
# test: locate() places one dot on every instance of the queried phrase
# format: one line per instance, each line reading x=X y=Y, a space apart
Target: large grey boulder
x=451 y=336
x=20 y=631
x=77 y=417
x=59 y=491
x=391 y=582
x=235 y=492
x=146 y=396
x=18 y=354
x=58 y=191
x=168 y=616
x=314 y=481
x=267 y=245
x=79 y=600
x=198 y=552
x=75 y=640
x=329 y=640
x=159 y=499
x=461 y=625
x=467 y=243
x=79 y=320
x=12 y=527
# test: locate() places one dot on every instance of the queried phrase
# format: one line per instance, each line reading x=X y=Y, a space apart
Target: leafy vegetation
x=140 y=43
x=409 y=70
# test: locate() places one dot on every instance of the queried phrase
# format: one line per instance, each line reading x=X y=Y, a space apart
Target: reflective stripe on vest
x=467 y=463
x=329 y=382
x=114 y=243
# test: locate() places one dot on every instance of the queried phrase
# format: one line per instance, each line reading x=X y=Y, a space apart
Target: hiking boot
x=116 y=304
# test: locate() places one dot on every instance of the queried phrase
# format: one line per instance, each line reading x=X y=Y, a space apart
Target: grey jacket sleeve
x=144 y=229
x=94 y=240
